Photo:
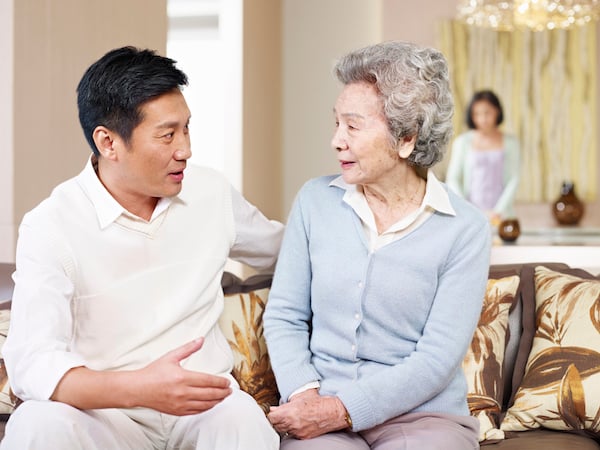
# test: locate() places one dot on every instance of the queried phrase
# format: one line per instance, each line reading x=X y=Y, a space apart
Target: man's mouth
x=176 y=176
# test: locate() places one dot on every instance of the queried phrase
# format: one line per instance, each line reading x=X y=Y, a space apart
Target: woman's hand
x=308 y=415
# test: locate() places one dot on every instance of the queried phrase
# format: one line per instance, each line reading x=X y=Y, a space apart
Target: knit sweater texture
x=384 y=331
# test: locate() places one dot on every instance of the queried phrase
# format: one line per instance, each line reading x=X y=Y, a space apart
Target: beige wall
x=261 y=106
x=53 y=41
x=315 y=34
x=7 y=226
x=415 y=20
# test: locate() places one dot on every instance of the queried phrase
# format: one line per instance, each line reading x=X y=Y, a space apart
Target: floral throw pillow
x=241 y=323
x=560 y=389
x=8 y=400
x=484 y=360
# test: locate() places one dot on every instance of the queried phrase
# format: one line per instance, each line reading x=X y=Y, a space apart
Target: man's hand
x=162 y=385
x=166 y=387
x=308 y=415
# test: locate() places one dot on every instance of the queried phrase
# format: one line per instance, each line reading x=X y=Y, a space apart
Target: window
x=204 y=37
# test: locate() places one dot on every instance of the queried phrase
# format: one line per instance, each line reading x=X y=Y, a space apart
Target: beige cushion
x=241 y=323
x=484 y=360
x=7 y=398
x=560 y=388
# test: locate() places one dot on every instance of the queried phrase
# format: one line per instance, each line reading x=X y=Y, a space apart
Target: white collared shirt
x=435 y=199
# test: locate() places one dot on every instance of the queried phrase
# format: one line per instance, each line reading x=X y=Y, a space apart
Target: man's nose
x=184 y=148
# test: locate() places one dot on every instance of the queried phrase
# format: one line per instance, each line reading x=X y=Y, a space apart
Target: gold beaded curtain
x=546 y=81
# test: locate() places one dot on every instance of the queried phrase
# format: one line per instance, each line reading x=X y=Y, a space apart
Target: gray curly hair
x=413 y=85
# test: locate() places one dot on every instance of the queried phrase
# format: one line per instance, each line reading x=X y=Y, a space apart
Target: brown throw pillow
x=484 y=360
x=241 y=323
x=560 y=388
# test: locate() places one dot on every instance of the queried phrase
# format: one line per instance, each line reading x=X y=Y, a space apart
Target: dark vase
x=568 y=209
x=509 y=230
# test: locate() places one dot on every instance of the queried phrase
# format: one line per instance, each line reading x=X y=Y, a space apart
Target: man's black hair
x=113 y=89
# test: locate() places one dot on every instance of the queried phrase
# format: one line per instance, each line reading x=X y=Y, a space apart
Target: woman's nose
x=338 y=142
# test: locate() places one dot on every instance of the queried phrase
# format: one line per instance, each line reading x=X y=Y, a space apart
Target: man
x=117 y=287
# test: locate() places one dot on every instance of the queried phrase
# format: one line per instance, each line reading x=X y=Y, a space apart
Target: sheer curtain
x=546 y=81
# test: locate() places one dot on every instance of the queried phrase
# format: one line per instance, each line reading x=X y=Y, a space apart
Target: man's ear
x=105 y=142
x=406 y=145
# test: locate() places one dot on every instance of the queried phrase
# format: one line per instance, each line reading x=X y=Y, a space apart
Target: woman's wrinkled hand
x=308 y=415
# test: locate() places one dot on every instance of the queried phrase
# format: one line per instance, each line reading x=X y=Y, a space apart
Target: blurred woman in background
x=484 y=163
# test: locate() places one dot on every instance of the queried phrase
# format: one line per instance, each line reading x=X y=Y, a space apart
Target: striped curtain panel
x=546 y=81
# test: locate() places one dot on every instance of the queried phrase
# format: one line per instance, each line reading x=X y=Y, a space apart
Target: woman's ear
x=406 y=145
x=105 y=142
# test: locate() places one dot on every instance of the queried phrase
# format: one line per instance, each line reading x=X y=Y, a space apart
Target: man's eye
x=168 y=135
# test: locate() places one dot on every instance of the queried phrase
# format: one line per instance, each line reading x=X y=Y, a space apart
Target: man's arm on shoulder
x=257 y=239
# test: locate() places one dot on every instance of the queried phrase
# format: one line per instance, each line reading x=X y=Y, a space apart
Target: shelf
x=555 y=236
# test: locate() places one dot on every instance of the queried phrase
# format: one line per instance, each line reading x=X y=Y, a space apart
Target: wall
x=50 y=46
x=415 y=20
x=7 y=223
x=315 y=34
x=261 y=106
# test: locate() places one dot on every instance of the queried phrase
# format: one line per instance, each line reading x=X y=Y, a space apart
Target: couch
x=533 y=368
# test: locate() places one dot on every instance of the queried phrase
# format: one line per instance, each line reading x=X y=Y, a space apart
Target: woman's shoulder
x=464 y=139
x=465 y=211
x=318 y=183
x=511 y=143
x=318 y=190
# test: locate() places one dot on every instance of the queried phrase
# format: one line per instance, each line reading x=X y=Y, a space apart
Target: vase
x=509 y=230
x=568 y=209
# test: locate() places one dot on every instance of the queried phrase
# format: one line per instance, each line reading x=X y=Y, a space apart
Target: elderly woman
x=381 y=276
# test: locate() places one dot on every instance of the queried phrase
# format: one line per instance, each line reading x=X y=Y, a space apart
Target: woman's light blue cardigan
x=385 y=331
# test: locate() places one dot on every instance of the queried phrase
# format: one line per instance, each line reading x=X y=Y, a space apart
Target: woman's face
x=484 y=115
x=362 y=138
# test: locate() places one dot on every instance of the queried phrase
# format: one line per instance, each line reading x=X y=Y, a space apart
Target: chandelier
x=536 y=15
